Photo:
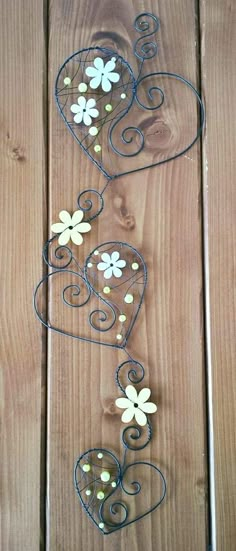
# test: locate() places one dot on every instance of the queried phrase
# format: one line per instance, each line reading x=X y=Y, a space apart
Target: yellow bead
x=82 y=87
x=108 y=107
x=122 y=318
x=90 y=265
x=105 y=476
x=67 y=81
x=135 y=266
x=88 y=492
x=96 y=253
x=101 y=525
x=97 y=148
x=119 y=337
x=100 y=455
x=100 y=495
x=123 y=95
x=129 y=299
x=93 y=131
x=113 y=484
x=86 y=468
x=106 y=290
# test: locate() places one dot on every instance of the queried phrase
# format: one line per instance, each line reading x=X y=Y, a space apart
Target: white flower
x=71 y=227
x=102 y=74
x=111 y=265
x=136 y=405
x=84 y=110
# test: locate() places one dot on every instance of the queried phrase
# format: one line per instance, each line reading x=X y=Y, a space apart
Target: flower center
x=111 y=265
x=70 y=228
x=84 y=110
x=136 y=405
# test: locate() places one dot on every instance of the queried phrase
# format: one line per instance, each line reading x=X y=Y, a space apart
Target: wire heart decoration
x=108 y=490
x=119 y=486
x=99 y=97
x=112 y=280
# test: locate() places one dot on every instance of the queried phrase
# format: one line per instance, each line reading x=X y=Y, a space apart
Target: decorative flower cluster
x=102 y=75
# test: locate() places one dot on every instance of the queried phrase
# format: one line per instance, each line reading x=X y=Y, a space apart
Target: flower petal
x=64 y=237
x=65 y=217
x=93 y=113
x=123 y=403
x=91 y=72
x=131 y=393
x=121 y=263
x=127 y=415
x=115 y=256
x=117 y=272
x=90 y=103
x=148 y=407
x=75 y=108
x=102 y=266
x=110 y=66
x=106 y=258
x=144 y=394
x=87 y=119
x=95 y=82
x=113 y=77
x=77 y=217
x=99 y=64
x=82 y=102
x=108 y=273
x=58 y=228
x=76 y=237
x=78 y=118
x=84 y=227
x=106 y=85
x=140 y=417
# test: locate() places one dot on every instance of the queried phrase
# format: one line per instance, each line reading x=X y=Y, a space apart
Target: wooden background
x=57 y=395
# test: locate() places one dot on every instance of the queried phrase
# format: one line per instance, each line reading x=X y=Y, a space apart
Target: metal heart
x=142 y=122
x=115 y=496
x=98 y=303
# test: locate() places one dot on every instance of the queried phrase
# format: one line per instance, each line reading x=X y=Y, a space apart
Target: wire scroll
x=99 y=98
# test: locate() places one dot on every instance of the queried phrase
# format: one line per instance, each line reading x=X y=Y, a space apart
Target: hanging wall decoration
x=99 y=98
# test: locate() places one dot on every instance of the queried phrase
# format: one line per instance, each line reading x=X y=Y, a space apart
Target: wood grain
x=23 y=230
x=165 y=210
x=219 y=80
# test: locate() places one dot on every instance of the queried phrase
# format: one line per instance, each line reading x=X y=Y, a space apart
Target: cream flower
x=84 y=110
x=71 y=227
x=136 y=405
x=111 y=265
x=102 y=74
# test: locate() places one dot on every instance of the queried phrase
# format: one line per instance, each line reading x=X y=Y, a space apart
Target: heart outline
x=120 y=485
x=91 y=290
x=136 y=83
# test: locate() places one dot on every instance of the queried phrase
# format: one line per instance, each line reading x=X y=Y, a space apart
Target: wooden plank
x=159 y=212
x=219 y=80
x=23 y=218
